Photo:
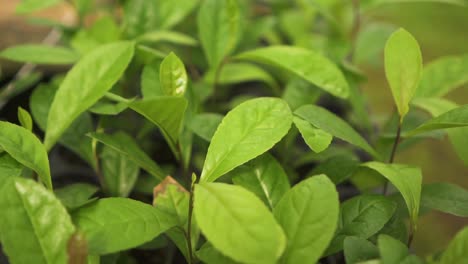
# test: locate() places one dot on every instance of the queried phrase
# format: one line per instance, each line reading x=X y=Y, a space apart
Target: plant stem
x=189 y=227
x=392 y=155
x=411 y=234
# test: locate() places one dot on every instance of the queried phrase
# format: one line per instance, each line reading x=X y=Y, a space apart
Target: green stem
x=189 y=227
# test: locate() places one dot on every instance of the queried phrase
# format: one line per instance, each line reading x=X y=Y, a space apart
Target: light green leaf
x=126 y=145
x=457 y=250
x=76 y=195
x=443 y=75
x=361 y=216
x=459 y=139
x=392 y=251
x=370 y=42
x=218 y=26
x=247 y=131
x=150 y=83
x=28 y=6
x=445 y=197
x=119 y=172
x=106 y=108
x=167 y=36
x=115 y=224
x=403 y=68
x=308 y=214
x=25 y=119
x=323 y=119
x=299 y=92
x=171 y=13
x=209 y=255
x=85 y=84
x=265 y=177
x=237 y=223
x=204 y=125
x=9 y=167
x=32 y=220
x=173 y=76
x=317 y=139
x=457 y=117
x=25 y=147
x=371 y=4
x=407 y=180
x=40 y=54
x=167 y=113
x=307 y=64
x=357 y=249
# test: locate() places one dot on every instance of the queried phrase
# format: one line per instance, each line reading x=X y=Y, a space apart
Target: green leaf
x=370 y=43
x=237 y=223
x=403 y=68
x=34 y=227
x=445 y=197
x=167 y=36
x=119 y=172
x=28 y=6
x=170 y=13
x=317 y=139
x=361 y=216
x=323 y=119
x=76 y=195
x=115 y=224
x=443 y=75
x=26 y=148
x=173 y=76
x=407 y=180
x=457 y=250
x=392 y=251
x=9 y=167
x=457 y=117
x=299 y=92
x=209 y=255
x=85 y=84
x=40 y=54
x=371 y=4
x=247 y=131
x=73 y=138
x=307 y=64
x=204 y=125
x=25 y=119
x=265 y=177
x=167 y=113
x=308 y=214
x=126 y=145
x=338 y=168
x=357 y=249
x=150 y=83
x=218 y=26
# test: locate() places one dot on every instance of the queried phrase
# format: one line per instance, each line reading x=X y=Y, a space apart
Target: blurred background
x=441 y=30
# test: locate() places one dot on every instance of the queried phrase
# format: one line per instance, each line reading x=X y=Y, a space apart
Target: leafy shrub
x=240 y=102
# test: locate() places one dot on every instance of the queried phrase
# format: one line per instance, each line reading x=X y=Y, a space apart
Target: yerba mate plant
x=254 y=109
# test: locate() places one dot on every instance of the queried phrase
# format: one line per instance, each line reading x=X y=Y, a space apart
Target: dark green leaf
x=445 y=197
x=209 y=255
x=150 y=83
x=457 y=117
x=204 y=125
x=299 y=92
x=357 y=249
x=76 y=195
x=119 y=172
x=338 y=168
x=391 y=250
x=40 y=54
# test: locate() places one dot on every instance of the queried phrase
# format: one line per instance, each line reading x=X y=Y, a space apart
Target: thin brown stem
x=392 y=155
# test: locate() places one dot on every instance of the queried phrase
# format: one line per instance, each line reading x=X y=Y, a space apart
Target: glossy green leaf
x=28 y=6
x=209 y=255
x=85 y=84
x=357 y=249
x=25 y=119
x=407 y=180
x=443 y=75
x=361 y=216
x=308 y=214
x=9 y=167
x=317 y=139
x=237 y=223
x=218 y=26
x=299 y=92
x=204 y=125
x=167 y=36
x=76 y=195
x=26 y=148
x=34 y=227
x=391 y=250
x=119 y=172
x=247 y=131
x=323 y=119
x=40 y=102
x=126 y=145
x=115 y=224
x=445 y=197
x=457 y=117
x=166 y=112
x=457 y=250
x=40 y=54
x=307 y=64
x=403 y=68
x=173 y=76
x=265 y=177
